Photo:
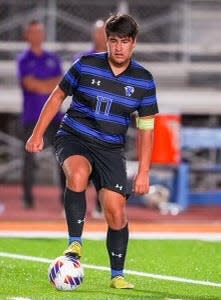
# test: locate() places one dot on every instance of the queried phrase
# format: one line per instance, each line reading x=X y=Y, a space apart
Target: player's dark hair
x=122 y=26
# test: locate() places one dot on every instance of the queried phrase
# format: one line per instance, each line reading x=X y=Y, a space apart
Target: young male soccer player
x=105 y=88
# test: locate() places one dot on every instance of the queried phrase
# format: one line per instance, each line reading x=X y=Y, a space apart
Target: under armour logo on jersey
x=80 y=221
x=118 y=186
x=97 y=82
x=118 y=255
x=129 y=90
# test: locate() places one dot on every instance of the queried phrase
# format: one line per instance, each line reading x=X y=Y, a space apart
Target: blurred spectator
x=98 y=38
x=38 y=73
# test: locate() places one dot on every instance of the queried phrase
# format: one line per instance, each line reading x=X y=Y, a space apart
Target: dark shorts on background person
x=108 y=166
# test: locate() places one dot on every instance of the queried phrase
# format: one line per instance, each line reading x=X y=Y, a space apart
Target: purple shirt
x=45 y=66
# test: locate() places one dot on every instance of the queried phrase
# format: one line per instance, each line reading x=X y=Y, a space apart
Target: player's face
x=120 y=49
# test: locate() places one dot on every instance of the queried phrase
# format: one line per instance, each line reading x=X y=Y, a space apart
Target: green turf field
x=194 y=268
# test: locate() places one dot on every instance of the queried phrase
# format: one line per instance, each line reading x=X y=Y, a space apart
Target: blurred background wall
x=179 y=42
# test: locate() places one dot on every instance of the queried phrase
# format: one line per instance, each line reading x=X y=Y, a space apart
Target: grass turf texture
x=197 y=260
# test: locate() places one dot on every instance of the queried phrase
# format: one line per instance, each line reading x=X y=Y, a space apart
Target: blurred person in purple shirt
x=38 y=72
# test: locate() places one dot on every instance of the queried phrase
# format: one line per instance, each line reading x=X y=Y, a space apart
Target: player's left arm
x=145 y=133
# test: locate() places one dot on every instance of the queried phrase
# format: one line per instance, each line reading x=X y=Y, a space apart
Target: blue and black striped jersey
x=102 y=103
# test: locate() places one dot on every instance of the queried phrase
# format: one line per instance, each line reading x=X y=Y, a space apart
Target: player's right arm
x=66 y=87
x=52 y=106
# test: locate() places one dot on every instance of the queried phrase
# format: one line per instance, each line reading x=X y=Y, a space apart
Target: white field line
x=94 y=267
x=100 y=235
x=18 y=298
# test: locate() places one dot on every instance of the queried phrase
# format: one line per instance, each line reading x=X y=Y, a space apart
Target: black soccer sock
x=116 y=243
x=75 y=210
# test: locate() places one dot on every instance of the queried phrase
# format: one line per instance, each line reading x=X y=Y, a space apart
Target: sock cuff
x=115 y=273
x=74 y=239
x=117 y=230
x=67 y=190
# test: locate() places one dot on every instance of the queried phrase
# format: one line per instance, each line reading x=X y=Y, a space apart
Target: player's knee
x=117 y=220
x=118 y=225
x=77 y=182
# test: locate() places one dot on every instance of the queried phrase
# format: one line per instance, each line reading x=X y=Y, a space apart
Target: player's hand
x=34 y=144
x=141 y=183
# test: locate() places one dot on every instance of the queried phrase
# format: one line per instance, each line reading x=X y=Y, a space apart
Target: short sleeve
x=70 y=80
x=22 y=68
x=149 y=105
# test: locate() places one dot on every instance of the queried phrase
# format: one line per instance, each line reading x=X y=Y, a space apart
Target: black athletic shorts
x=108 y=165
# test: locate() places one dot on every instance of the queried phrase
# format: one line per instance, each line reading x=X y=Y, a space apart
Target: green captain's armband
x=145 y=124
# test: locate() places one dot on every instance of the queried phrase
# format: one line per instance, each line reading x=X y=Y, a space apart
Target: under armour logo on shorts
x=120 y=187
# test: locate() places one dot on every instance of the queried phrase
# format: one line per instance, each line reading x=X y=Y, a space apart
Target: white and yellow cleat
x=74 y=249
x=119 y=282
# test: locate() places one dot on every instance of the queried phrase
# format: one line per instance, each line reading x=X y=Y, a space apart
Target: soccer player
x=38 y=73
x=106 y=88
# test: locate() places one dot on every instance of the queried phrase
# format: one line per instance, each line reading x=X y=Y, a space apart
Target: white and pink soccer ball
x=65 y=273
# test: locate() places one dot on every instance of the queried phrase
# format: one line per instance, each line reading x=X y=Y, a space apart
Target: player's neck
x=118 y=68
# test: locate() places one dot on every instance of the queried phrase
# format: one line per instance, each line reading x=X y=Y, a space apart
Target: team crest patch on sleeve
x=129 y=90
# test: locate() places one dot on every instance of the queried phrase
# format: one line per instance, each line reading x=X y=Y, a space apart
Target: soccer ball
x=65 y=273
